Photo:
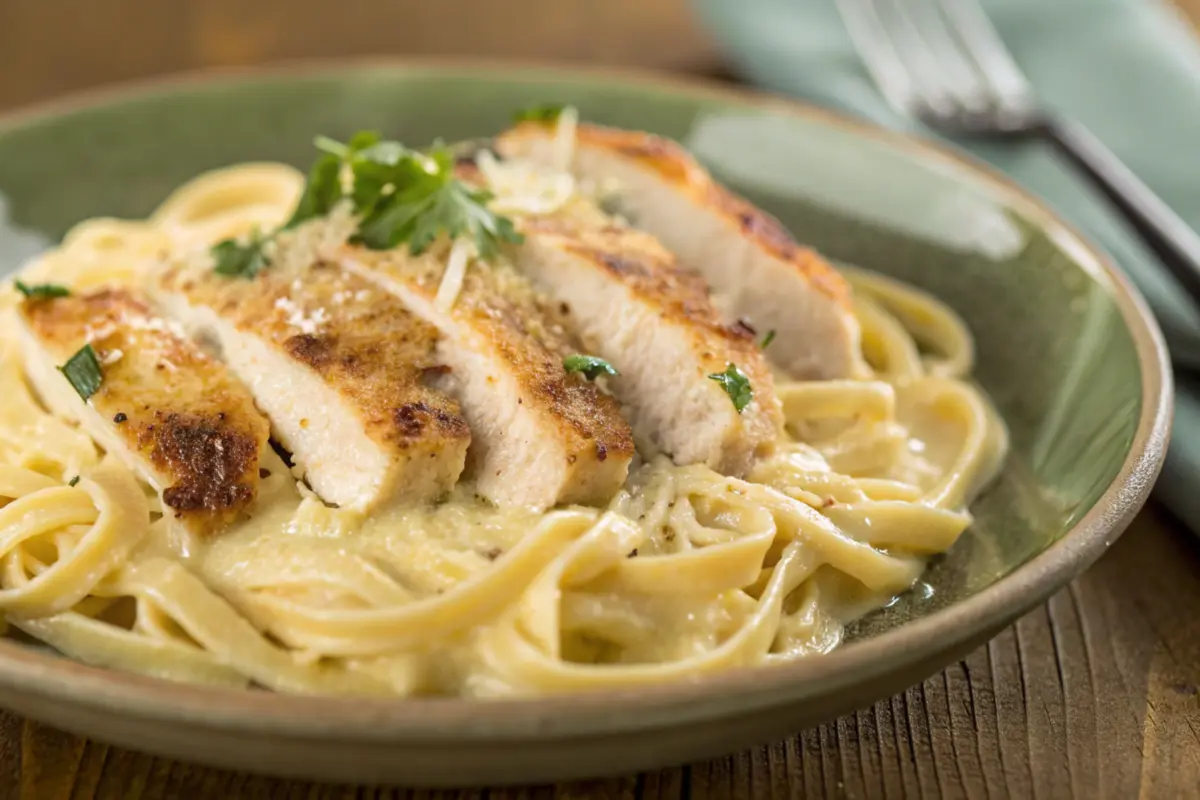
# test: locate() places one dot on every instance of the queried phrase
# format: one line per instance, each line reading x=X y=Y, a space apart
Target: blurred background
x=48 y=47
x=51 y=47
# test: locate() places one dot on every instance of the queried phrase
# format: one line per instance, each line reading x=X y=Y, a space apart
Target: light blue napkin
x=1128 y=69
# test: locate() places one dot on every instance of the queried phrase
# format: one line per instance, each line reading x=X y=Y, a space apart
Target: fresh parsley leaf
x=590 y=366
x=386 y=169
x=73 y=481
x=736 y=385
x=428 y=201
x=364 y=139
x=237 y=259
x=386 y=154
x=83 y=372
x=322 y=191
x=400 y=195
x=770 y=337
x=42 y=291
x=332 y=146
x=543 y=112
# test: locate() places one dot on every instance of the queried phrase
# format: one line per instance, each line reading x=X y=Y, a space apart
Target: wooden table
x=1093 y=695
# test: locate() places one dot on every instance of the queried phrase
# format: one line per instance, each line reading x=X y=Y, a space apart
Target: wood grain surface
x=1096 y=694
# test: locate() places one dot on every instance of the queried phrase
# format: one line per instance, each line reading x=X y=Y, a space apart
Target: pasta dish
x=552 y=411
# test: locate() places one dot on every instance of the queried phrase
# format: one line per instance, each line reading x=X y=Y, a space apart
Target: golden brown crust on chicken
x=498 y=316
x=650 y=272
x=686 y=340
x=362 y=344
x=677 y=166
x=167 y=402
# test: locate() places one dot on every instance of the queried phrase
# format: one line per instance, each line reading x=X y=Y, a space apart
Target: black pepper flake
x=264 y=473
x=632 y=553
x=743 y=328
x=120 y=417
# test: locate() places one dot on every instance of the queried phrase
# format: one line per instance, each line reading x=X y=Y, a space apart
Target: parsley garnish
x=591 y=366
x=770 y=337
x=400 y=195
x=420 y=199
x=237 y=259
x=41 y=291
x=83 y=372
x=322 y=190
x=73 y=481
x=736 y=385
x=543 y=112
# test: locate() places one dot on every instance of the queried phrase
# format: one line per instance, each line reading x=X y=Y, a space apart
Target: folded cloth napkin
x=1127 y=69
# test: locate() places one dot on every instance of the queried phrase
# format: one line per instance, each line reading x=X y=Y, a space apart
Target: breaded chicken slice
x=758 y=273
x=340 y=369
x=542 y=436
x=171 y=412
x=631 y=304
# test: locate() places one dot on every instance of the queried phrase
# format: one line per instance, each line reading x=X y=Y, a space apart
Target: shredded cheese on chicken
x=461 y=255
x=564 y=139
x=522 y=187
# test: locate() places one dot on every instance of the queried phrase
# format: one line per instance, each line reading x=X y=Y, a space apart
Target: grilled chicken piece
x=340 y=369
x=170 y=411
x=627 y=298
x=757 y=271
x=542 y=436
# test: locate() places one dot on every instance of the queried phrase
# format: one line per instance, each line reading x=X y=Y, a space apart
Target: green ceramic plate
x=1066 y=349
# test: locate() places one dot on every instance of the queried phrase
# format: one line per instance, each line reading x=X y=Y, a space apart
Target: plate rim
x=652 y=706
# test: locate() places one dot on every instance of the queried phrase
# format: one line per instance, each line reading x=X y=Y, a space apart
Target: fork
x=943 y=63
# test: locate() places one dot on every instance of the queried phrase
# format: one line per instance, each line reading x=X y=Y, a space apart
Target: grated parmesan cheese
x=461 y=255
x=306 y=323
x=93 y=334
x=156 y=325
x=521 y=187
x=564 y=139
x=526 y=188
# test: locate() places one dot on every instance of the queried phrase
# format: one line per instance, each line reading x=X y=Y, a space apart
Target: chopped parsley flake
x=770 y=337
x=238 y=259
x=83 y=372
x=736 y=385
x=42 y=291
x=590 y=366
x=73 y=481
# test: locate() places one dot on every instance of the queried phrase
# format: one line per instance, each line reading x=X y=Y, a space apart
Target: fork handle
x=1171 y=239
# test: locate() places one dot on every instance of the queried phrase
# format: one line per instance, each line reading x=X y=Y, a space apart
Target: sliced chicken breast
x=632 y=305
x=757 y=271
x=170 y=411
x=341 y=370
x=542 y=436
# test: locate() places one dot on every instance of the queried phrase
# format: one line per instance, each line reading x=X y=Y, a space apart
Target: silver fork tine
x=879 y=55
x=958 y=71
x=942 y=62
x=913 y=57
x=996 y=64
x=928 y=78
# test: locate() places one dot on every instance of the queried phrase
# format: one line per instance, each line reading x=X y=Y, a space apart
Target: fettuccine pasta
x=687 y=571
